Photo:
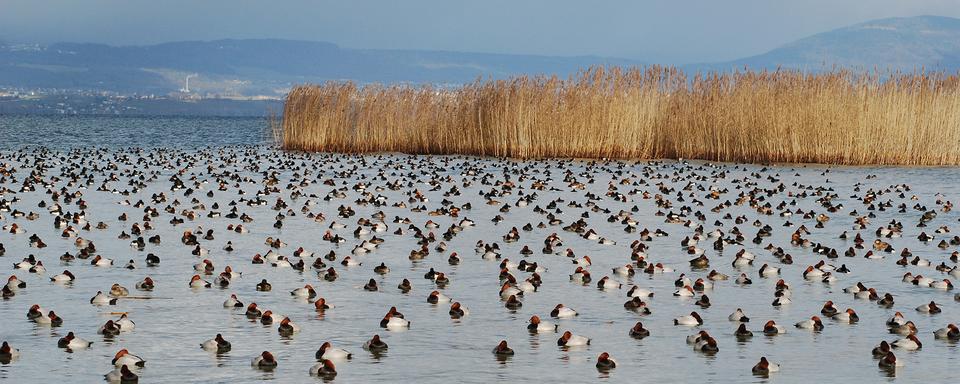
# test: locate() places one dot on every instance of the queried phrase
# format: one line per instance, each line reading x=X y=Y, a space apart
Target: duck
x=71 y=341
x=146 y=284
x=909 y=343
x=950 y=332
x=102 y=299
x=771 y=328
x=685 y=291
x=604 y=362
x=391 y=322
x=322 y=305
x=707 y=345
x=693 y=319
x=306 y=291
x=264 y=286
x=252 y=311
x=264 y=361
x=375 y=344
x=232 y=302
x=457 y=311
x=117 y=290
x=8 y=353
x=742 y=332
x=562 y=312
x=537 y=325
x=324 y=369
x=636 y=291
x=64 y=277
x=328 y=352
x=124 y=357
x=908 y=328
x=99 y=261
x=944 y=285
x=568 y=339
x=765 y=367
x=287 y=327
x=897 y=320
x=882 y=349
x=828 y=309
x=436 y=297
x=216 y=344
x=502 y=350
x=847 y=316
x=767 y=271
x=122 y=375
x=890 y=361
x=931 y=308
x=813 y=323
x=638 y=331
x=197 y=282
x=738 y=315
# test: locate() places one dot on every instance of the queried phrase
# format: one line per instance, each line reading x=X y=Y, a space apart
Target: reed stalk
x=837 y=117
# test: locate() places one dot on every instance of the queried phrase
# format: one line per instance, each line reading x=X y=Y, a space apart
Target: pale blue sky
x=666 y=31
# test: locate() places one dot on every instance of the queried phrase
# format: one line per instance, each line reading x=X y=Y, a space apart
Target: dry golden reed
x=838 y=117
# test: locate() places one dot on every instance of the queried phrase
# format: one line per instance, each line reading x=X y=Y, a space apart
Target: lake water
x=172 y=323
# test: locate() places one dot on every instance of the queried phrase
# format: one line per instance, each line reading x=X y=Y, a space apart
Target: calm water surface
x=172 y=324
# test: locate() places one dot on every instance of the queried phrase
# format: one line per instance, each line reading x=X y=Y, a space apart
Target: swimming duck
x=950 y=332
x=537 y=325
x=562 y=312
x=828 y=309
x=102 y=299
x=909 y=343
x=71 y=341
x=568 y=339
x=638 y=331
x=324 y=369
x=265 y=361
x=287 y=327
x=693 y=319
x=847 y=316
x=742 y=332
x=771 y=328
x=264 y=286
x=145 y=285
x=125 y=358
x=890 y=361
x=457 y=311
x=8 y=353
x=122 y=375
x=765 y=367
x=375 y=344
x=391 y=322
x=328 y=352
x=438 y=298
x=813 y=323
x=604 y=362
x=216 y=344
x=116 y=290
x=66 y=276
x=197 y=282
x=738 y=315
x=931 y=308
x=502 y=349
x=306 y=291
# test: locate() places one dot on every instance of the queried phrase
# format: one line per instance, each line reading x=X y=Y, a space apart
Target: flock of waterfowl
x=170 y=234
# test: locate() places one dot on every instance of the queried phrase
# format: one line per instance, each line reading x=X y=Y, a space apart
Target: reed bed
x=838 y=117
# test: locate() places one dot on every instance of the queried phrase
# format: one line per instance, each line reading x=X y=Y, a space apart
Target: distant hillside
x=909 y=44
x=270 y=67
x=248 y=67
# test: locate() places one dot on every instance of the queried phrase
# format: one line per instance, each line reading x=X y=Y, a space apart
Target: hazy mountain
x=909 y=44
x=257 y=66
x=270 y=67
